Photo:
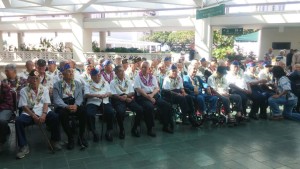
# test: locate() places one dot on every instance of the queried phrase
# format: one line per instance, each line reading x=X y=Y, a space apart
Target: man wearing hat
x=97 y=92
x=167 y=62
x=34 y=100
x=265 y=73
x=68 y=98
x=238 y=85
x=107 y=72
x=195 y=86
x=45 y=79
x=258 y=99
x=219 y=86
x=86 y=75
x=147 y=96
x=52 y=68
x=122 y=98
x=174 y=92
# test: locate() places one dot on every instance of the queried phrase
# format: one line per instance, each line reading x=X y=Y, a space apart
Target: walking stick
x=46 y=137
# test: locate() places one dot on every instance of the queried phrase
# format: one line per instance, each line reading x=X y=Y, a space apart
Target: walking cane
x=46 y=137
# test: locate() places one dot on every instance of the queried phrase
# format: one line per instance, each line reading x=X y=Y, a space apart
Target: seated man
x=6 y=111
x=34 y=100
x=67 y=96
x=147 y=96
x=173 y=92
x=45 y=79
x=29 y=66
x=194 y=86
x=107 y=71
x=219 y=87
x=123 y=96
x=52 y=68
x=295 y=83
x=97 y=92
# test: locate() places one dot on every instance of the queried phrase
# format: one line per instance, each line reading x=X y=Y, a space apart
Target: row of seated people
x=69 y=95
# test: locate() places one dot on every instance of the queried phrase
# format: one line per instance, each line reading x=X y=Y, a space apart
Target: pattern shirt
x=147 y=88
x=34 y=101
x=172 y=83
x=119 y=87
x=220 y=85
x=237 y=79
x=284 y=84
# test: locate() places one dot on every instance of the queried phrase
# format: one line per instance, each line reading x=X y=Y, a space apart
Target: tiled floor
x=257 y=144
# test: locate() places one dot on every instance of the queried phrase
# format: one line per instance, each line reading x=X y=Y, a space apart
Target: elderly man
x=147 y=96
x=45 y=79
x=174 y=92
x=118 y=61
x=195 y=86
x=97 y=92
x=29 y=66
x=6 y=111
x=34 y=100
x=132 y=71
x=125 y=64
x=12 y=80
x=67 y=96
x=122 y=98
x=85 y=76
x=219 y=87
x=52 y=68
x=107 y=72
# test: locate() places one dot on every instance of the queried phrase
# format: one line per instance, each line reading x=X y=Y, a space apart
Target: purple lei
x=144 y=80
x=108 y=79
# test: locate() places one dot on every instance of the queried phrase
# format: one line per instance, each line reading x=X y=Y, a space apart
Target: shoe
x=108 y=136
x=167 y=130
x=56 y=145
x=96 y=137
x=151 y=133
x=253 y=116
x=22 y=152
x=122 y=134
x=135 y=132
x=82 y=142
x=70 y=144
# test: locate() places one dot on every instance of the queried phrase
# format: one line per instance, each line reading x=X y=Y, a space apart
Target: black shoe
x=135 y=132
x=96 y=137
x=82 y=142
x=151 y=133
x=167 y=130
x=122 y=134
x=70 y=144
x=108 y=136
x=253 y=116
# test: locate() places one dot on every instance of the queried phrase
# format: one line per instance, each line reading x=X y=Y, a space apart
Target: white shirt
x=249 y=77
x=264 y=75
x=131 y=75
x=59 y=77
x=139 y=84
x=121 y=87
x=56 y=72
x=36 y=102
x=237 y=79
x=24 y=74
x=171 y=84
x=218 y=84
x=97 y=88
x=85 y=78
x=47 y=80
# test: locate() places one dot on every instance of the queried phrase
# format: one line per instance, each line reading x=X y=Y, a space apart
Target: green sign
x=209 y=12
x=232 y=31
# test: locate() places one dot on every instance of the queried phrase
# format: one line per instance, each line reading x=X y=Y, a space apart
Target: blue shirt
x=190 y=84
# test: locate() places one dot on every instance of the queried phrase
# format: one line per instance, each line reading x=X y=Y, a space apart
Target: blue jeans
x=212 y=100
x=288 y=107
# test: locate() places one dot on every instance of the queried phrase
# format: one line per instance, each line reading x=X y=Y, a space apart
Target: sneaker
x=22 y=152
x=56 y=145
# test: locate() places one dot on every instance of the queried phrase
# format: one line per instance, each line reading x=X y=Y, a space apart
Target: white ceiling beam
x=6 y=3
x=83 y=7
x=174 y=2
x=37 y=2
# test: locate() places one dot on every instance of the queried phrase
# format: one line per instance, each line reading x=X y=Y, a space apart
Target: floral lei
x=46 y=80
x=119 y=84
x=95 y=88
x=175 y=82
x=64 y=86
x=144 y=80
x=108 y=79
x=38 y=97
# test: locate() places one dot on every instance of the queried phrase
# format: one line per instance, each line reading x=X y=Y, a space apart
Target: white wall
x=269 y=35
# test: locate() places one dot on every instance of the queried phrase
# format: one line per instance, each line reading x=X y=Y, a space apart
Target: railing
x=111 y=55
x=23 y=56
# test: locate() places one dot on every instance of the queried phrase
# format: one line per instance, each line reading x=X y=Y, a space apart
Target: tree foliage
x=175 y=40
x=223 y=45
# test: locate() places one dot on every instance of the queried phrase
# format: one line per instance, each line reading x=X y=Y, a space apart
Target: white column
x=82 y=38
x=1 y=42
x=102 y=41
x=20 y=40
x=203 y=38
x=261 y=45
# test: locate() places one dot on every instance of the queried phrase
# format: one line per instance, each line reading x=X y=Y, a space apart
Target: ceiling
x=44 y=7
